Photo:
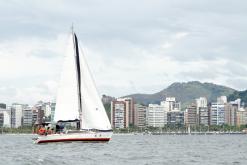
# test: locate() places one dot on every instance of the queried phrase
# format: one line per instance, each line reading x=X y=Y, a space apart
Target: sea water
x=128 y=149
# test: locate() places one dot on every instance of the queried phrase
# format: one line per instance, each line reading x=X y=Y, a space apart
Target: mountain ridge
x=185 y=92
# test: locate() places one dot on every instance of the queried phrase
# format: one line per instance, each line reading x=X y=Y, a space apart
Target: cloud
x=138 y=46
x=30 y=94
x=239 y=83
x=27 y=72
x=180 y=35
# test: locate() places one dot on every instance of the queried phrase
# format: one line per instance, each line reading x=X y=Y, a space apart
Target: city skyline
x=131 y=47
x=125 y=112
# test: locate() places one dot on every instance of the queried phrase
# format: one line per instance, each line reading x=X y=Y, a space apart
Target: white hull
x=88 y=136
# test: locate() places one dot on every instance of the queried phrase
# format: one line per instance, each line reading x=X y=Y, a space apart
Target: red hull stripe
x=76 y=139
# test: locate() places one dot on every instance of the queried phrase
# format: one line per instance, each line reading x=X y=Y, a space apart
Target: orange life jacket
x=42 y=131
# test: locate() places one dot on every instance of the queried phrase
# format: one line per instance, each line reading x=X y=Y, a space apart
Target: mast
x=78 y=73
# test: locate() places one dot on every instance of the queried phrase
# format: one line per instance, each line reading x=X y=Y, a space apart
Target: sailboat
x=78 y=101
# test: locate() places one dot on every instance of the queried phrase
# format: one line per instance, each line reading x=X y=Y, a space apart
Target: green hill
x=185 y=93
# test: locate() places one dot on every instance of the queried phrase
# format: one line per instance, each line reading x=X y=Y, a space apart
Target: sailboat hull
x=73 y=137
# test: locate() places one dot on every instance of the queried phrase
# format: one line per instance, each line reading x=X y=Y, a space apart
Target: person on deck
x=42 y=131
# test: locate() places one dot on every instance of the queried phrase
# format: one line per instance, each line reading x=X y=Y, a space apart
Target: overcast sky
x=131 y=46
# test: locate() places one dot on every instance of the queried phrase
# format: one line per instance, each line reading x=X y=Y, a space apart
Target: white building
x=140 y=115
x=156 y=115
x=201 y=102
x=16 y=115
x=222 y=99
x=170 y=104
x=217 y=114
x=5 y=117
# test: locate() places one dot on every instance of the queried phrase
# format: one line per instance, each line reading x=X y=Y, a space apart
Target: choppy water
x=128 y=149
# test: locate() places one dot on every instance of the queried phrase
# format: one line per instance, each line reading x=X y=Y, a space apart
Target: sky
x=139 y=46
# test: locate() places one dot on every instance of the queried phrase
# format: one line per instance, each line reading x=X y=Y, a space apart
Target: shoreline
x=182 y=133
x=154 y=133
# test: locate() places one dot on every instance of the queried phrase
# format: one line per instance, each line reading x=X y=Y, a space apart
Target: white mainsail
x=73 y=97
x=67 y=97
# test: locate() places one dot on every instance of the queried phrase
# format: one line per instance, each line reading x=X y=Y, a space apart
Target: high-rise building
x=171 y=104
x=1 y=119
x=237 y=101
x=231 y=114
x=156 y=115
x=12 y=117
x=122 y=113
x=217 y=113
x=38 y=115
x=119 y=114
x=27 y=117
x=241 y=117
x=201 y=102
x=53 y=107
x=5 y=117
x=222 y=100
x=203 y=116
x=130 y=109
x=140 y=115
x=2 y=114
x=35 y=115
x=16 y=115
x=47 y=108
x=175 y=118
x=190 y=115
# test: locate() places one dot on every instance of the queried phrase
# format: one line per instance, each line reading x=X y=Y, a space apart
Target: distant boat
x=78 y=101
